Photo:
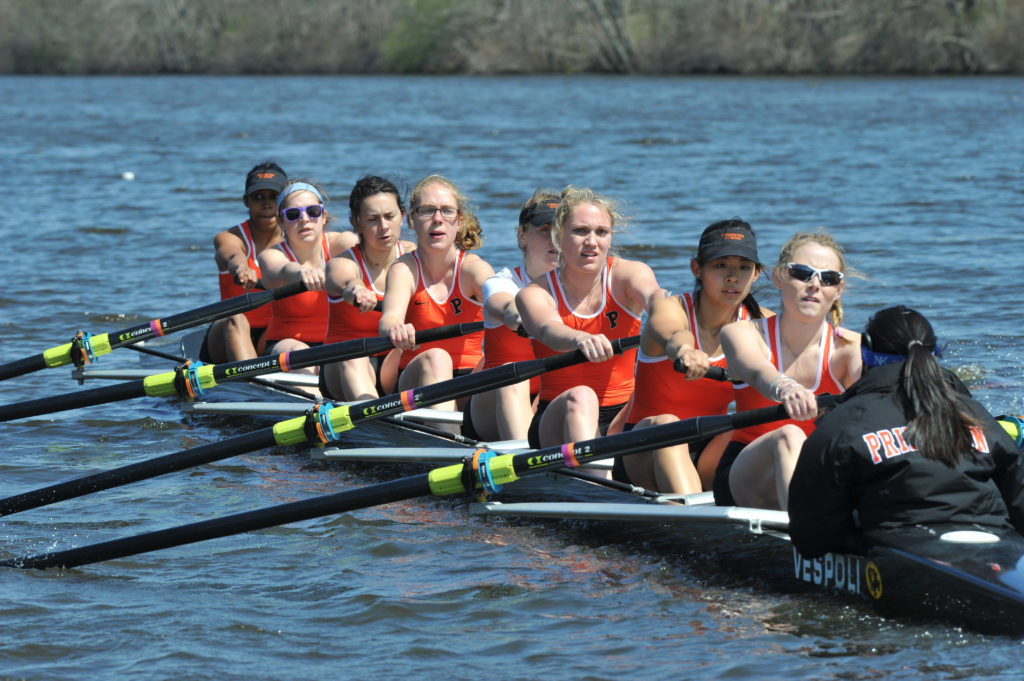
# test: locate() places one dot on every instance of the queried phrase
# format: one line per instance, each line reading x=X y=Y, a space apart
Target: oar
x=485 y=471
x=192 y=380
x=86 y=347
x=324 y=423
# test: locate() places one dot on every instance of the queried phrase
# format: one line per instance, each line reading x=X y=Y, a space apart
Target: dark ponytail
x=939 y=418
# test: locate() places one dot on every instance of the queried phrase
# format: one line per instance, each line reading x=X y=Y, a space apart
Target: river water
x=921 y=180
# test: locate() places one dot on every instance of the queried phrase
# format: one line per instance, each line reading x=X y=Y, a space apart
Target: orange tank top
x=345 y=321
x=748 y=398
x=662 y=390
x=502 y=345
x=304 y=315
x=424 y=312
x=611 y=380
x=260 y=317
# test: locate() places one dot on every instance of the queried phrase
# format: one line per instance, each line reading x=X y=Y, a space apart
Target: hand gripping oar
x=323 y=423
x=486 y=470
x=84 y=348
x=191 y=380
x=714 y=373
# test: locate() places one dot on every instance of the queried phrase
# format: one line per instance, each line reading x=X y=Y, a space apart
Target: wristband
x=778 y=385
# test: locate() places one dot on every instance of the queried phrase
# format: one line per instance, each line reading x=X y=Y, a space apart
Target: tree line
x=512 y=36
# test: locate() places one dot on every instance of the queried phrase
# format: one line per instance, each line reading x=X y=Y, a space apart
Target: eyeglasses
x=447 y=212
x=294 y=213
x=806 y=272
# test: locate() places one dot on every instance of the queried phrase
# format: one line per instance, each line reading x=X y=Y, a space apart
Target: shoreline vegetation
x=777 y=37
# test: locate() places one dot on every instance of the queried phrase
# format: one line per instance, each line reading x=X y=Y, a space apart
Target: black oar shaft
x=164 y=384
x=249 y=521
x=442 y=481
x=197 y=456
x=20 y=367
x=61 y=355
x=85 y=398
x=203 y=315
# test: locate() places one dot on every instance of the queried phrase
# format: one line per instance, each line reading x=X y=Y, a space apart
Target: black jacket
x=837 y=475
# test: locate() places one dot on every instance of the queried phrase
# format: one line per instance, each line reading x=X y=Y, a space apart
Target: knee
x=581 y=399
x=238 y=323
x=790 y=440
x=437 y=361
x=659 y=420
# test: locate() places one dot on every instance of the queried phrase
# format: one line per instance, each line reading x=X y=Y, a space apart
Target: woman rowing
x=355 y=287
x=236 y=337
x=687 y=327
x=590 y=299
x=789 y=358
x=505 y=413
x=906 y=446
x=438 y=284
x=300 y=321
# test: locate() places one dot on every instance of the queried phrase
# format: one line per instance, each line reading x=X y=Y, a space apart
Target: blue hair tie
x=877 y=359
x=298 y=187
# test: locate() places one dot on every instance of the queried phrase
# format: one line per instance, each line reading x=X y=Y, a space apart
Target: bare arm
x=231 y=257
x=636 y=281
x=668 y=333
x=345 y=281
x=749 y=360
x=339 y=242
x=541 y=319
x=278 y=270
x=401 y=284
x=475 y=271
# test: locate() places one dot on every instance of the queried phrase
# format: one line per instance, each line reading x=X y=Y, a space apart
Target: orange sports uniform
x=346 y=321
x=456 y=308
x=749 y=398
x=662 y=390
x=502 y=345
x=611 y=380
x=304 y=315
x=260 y=317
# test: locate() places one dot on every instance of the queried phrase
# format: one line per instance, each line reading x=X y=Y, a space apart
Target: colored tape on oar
x=186 y=380
x=81 y=349
x=478 y=469
x=320 y=418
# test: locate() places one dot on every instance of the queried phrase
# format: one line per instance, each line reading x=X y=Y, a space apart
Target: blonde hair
x=821 y=238
x=576 y=196
x=470 y=234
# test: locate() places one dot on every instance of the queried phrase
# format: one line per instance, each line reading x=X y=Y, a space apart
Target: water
x=920 y=179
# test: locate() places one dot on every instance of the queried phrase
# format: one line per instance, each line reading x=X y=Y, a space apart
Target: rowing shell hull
x=913 y=572
x=917 y=572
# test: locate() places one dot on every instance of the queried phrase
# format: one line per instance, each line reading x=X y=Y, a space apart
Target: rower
x=438 y=284
x=505 y=413
x=355 y=287
x=589 y=298
x=905 y=446
x=686 y=328
x=236 y=338
x=789 y=358
x=300 y=321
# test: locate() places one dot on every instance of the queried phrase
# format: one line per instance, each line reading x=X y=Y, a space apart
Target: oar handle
x=714 y=373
